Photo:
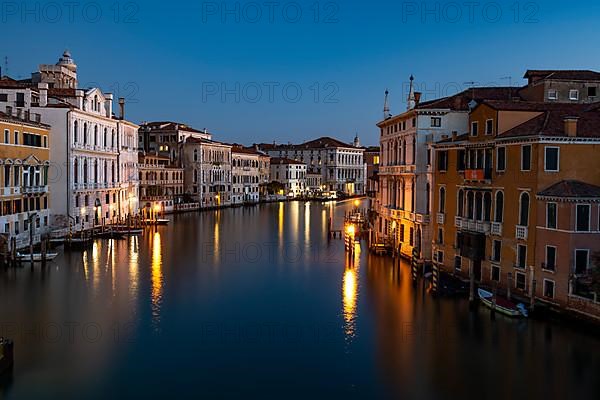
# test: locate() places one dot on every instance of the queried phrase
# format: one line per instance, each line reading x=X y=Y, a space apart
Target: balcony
x=34 y=189
x=496 y=228
x=478 y=175
x=521 y=232
x=472 y=225
x=440 y=218
x=519 y=266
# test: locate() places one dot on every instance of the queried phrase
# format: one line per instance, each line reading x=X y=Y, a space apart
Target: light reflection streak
x=281 y=215
x=157 y=279
x=133 y=267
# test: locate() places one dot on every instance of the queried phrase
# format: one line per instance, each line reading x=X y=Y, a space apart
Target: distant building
x=167 y=137
x=207 y=165
x=291 y=174
x=560 y=86
x=161 y=184
x=24 y=163
x=245 y=175
x=372 y=159
x=340 y=164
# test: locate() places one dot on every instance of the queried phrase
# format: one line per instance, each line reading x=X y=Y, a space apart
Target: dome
x=67 y=61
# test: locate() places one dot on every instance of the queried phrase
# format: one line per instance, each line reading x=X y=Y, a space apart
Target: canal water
x=257 y=302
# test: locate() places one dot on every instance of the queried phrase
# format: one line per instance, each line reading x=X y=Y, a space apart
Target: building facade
x=291 y=174
x=24 y=196
x=245 y=175
x=207 y=177
x=160 y=184
x=514 y=205
x=340 y=164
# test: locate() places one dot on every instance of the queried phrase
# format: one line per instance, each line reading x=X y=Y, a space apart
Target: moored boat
x=37 y=257
x=502 y=305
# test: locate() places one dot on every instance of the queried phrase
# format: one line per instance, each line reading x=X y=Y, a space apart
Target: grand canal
x=258 y=302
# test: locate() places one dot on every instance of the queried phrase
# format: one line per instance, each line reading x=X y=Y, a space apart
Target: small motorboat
x=158 y=221
x=37 y=257
x=502 y=305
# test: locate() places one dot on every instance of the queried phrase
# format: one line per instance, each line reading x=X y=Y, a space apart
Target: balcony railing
x=34 y=189
x=518 y=266
x=521 y=232
x=10 y=190
x=496 y=228
x=458 y=222
x=472 y=225
x=440 y=218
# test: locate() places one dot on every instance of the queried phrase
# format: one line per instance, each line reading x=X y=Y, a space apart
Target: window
x=581 y=261
x=460 y=162
x=550 y=263
x=574 y=94
x=436 y=122
x=440 y=256
x=16 y=137
x=457 y=263
x=3 y=97
x=548 y=288
x=499 y=215
x=521 y=256
x=496 y=250
x=501 y=159
x=442 y=200
x=552 y=94
x=520 y=282
x=551 y=157
x=524 y=209
x=442 y=161
x=526 y=157
x=489 y=126
x=6 y=136
x=474 y=128
x=440 y=236
x=592 y=91
x=583 y=218
x=495 y=276
x=551 y=216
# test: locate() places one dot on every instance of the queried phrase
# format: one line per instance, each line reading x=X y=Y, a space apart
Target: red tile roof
x=552 y=120
x=570 y=75
x=171 y=126
x=572 y=189
x=460 y=101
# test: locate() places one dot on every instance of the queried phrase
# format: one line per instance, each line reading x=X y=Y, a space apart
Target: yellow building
x=24 y=163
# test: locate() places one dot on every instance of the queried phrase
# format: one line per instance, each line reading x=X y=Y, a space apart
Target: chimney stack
x=571 y=126
x=109 y=104
x=43 y=88
x=417 y=98
x=454 y=135
x=79 y=95
x=121 y=107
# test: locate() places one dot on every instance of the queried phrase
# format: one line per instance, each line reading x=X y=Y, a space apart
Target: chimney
x=43 y=88
x=121 y=107
x=417 y=98
x=9 y=111
x=79 y=96
x=454 y=135
x=571 y=126
x=109 y=104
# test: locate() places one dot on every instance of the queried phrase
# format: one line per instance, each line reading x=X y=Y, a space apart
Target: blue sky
x=292 y=70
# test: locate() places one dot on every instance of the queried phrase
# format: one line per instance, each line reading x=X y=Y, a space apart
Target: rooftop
x=571 y=189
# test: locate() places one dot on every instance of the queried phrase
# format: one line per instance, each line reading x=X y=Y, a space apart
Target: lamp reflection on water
x=350 y=293
x=157 y=279
x=133 y=266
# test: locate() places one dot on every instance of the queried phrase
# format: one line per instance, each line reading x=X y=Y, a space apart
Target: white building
x=245 y=175
x=87 y=184
x=207 y=175
x=405 y=173
x=291 y=174
x=340 y=164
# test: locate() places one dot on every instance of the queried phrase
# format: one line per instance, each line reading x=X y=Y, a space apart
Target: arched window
x=105 y=139
x=478 y=207
x=96 y=135
x=195 y=154
x=524 y=209
x=96 y=171
x=442 y=200
x=85 y=133
x=470 y=205
x=85 y=171
x=112 y=143
x=75 y=135
x=499 y=215
x=487 y=206
x=412 y=197
x=461 y=203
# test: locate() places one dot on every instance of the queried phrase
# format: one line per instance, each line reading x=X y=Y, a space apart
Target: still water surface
x=258 y=302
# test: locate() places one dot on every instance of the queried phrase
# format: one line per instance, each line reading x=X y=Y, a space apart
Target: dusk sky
x=259 y=71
